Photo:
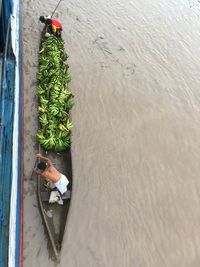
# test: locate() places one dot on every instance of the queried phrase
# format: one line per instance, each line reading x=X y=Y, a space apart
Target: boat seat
x=46 y=195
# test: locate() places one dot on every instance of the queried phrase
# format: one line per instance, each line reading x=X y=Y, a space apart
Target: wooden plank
x=46 y=195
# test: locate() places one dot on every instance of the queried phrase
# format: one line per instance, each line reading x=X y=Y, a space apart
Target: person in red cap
x=53 y=26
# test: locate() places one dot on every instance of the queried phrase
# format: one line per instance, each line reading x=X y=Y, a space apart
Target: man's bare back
x=50 y=173
x=46 y=169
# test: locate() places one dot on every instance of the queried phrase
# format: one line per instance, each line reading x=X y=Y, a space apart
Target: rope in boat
x=39 y=149
x=31 y=177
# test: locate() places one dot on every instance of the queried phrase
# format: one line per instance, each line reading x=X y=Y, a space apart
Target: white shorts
x=61 y=185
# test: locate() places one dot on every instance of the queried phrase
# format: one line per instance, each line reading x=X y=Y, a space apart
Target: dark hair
x=42 y=19
x=42 y=165
x=48 y=21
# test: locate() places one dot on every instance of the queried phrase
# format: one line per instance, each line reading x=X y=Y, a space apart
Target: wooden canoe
x=54 y=216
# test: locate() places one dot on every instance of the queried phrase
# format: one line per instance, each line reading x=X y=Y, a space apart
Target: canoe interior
x=55 y=215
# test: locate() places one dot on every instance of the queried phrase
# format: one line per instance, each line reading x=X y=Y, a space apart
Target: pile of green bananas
x=53 y=95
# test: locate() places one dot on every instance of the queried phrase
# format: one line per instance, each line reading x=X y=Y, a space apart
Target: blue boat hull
x=11 y=132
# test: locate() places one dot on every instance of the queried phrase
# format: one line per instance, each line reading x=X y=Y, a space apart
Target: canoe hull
x=54 y=216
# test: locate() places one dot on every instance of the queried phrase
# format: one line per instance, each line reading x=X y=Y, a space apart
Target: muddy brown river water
x=136 y=137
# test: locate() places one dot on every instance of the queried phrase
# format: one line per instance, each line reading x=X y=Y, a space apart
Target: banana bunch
x=53 y=110
x=42 y=109
x=43 y=120
x=53 y=95
x=66 y=127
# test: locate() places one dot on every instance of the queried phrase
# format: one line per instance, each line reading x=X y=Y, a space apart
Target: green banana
x=54 y=97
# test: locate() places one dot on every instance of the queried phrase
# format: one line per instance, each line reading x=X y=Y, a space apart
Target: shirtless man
x=46 y=169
